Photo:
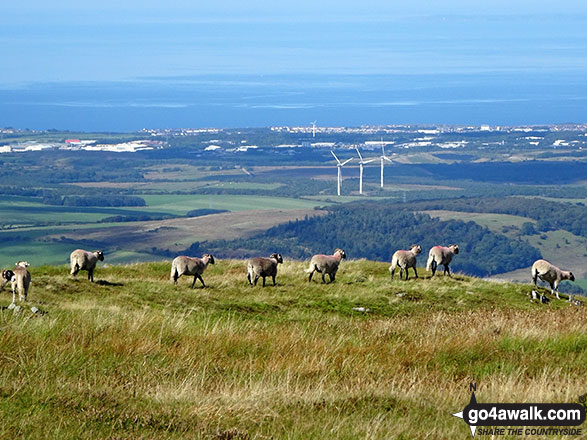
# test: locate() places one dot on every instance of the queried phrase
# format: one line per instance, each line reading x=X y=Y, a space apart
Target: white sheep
x=441 y=255
x=183 y=265
x=552 y=275
x=326 y=264
x=84 y=260
x=20 y=279
x=263 y=267
x=404 y=260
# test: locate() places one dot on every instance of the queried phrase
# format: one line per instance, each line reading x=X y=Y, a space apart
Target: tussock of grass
x=134 y=357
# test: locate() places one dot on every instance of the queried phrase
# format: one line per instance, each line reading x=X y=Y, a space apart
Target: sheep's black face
x=455 y=248
x=341 y=252
x=210 y=259
x=416 y=248
x=7 y=274
x=277 y=258
x=100 y=255
x=572 y=277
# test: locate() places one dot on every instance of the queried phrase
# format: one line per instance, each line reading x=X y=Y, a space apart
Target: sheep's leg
x=323 y=277
x=201 y=280
x=256 y=279
x=392 y=271
x=13 y=294
x=415 y=272
x=310 y=277
x=263 y=280
x=91 y=275
x=249 y=278
x=401 y=273
x=446 y=270
x=433 y=266
x=332 y=276
x=534 y=278
x=75 y=270
x=273 y=276
x=194 y=282
x=407 y=273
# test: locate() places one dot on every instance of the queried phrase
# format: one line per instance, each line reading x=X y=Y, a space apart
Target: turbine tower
x=382 y=158
x=339 y=165
x=361 y=163
x=313 y=129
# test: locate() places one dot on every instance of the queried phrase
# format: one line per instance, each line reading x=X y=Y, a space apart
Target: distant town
x=567 y=136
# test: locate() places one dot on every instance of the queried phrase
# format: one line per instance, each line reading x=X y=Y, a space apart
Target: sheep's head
x=341 y=252
x=277 y=257
x=24 y=264
x=209 y=257
x=571 y=276
x=454 y=248
x=416 y=248
x=7 y=275
x=100 y=255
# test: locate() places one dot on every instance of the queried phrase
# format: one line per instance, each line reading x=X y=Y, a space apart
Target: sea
x=234 y=100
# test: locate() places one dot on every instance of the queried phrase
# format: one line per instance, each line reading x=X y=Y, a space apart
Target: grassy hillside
x=131 y=356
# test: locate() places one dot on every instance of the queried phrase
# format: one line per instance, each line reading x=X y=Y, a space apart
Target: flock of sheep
x=260 y=267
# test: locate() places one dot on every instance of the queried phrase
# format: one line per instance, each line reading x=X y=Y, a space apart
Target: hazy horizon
x=104 y=66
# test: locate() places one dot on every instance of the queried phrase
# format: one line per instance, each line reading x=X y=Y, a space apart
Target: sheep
x=263 y=267
x=552 y=275
x=20 y=279
x=326 y=264
x=404 y=260
x=183 y=265
x=84 y=260
x=441 y=255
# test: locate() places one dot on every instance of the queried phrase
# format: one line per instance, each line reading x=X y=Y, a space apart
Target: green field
x=131 y=356
x=181 y=204
x=494 y=222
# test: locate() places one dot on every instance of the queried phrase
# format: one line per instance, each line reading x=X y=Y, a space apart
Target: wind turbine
x=339 y=165
x=382 y=158
x=313 y=128
x=361 y=163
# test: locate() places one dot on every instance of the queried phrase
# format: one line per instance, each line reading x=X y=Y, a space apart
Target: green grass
x=132 y=356
x=181 y=204
x=494 y=222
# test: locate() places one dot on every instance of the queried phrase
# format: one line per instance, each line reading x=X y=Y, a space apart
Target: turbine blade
x=367 y=161
x=346 y=161
x=388 y=159
x=335 y=156
x=359 y=153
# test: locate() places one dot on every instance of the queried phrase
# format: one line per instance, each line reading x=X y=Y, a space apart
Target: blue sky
x=80 y=41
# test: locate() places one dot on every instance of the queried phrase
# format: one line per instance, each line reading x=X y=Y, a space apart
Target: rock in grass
x=361 y=309
x=38 y=311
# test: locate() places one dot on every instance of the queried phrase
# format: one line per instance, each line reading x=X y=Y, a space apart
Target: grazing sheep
x=84 y=260
x=326 y=264
x=190 y=266
x=552 y=275
x=441 y=255
x=20 y=280
x=263 y=267
x=404 y=260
